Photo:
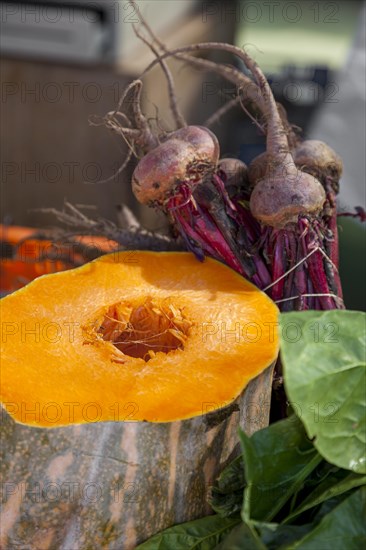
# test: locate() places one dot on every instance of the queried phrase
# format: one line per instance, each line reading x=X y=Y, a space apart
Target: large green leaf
x=242 y=537
x=277 y=460
x=201 y=534
x=344 y=528
x=275 y=536
x=323 y=356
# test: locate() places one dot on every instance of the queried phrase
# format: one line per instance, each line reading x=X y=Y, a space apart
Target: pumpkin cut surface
x=136 y=336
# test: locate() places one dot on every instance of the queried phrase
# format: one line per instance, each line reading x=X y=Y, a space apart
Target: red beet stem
x=318 y=277
x=290 y=290
x=199 y=227
x=301 y=282
x=310 y=290
x=252 y=230
x=278 y=266
x=231 y=208
x=191 y=238
x=332 y=245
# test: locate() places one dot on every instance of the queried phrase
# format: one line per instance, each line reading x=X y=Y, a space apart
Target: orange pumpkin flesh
x=185 y=334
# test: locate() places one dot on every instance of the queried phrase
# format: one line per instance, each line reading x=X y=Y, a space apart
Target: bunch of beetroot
x=275 y=221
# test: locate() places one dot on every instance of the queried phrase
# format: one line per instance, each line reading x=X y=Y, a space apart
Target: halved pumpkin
x=157 y=332
x=130 y=336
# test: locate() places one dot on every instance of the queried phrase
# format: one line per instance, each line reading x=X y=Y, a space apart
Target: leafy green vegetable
x=232 y=477
x=242 y=537
x=227 y=494
x=275 y=535
x=277 y=460
x=343 y=528
x=326 y=490
x=298 y=480
x=226 y=504
x=201 y=534
x=323 y=355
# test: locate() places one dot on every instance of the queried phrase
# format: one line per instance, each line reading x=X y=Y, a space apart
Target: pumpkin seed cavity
x=145 y=328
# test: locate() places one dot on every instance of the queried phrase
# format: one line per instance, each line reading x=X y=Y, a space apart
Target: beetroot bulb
x=284 y=192
x=187 y=155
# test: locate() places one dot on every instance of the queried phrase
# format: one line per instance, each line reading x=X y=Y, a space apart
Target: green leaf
x=323 y=356
x=326 y=490
x=232 y=477
x=275 y=535
x=227 y=494
x=200 y=534
x=328 y=506
x=277 y=460
x=344 y=528
x=242 y=537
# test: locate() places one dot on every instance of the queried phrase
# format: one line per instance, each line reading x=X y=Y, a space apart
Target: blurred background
x=65 y=61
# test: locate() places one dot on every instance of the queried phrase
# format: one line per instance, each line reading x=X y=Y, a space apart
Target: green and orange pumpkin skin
x=25 y=256
x=124 y=382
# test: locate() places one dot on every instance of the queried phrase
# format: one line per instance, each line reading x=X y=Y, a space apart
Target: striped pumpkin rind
x=114 y=484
